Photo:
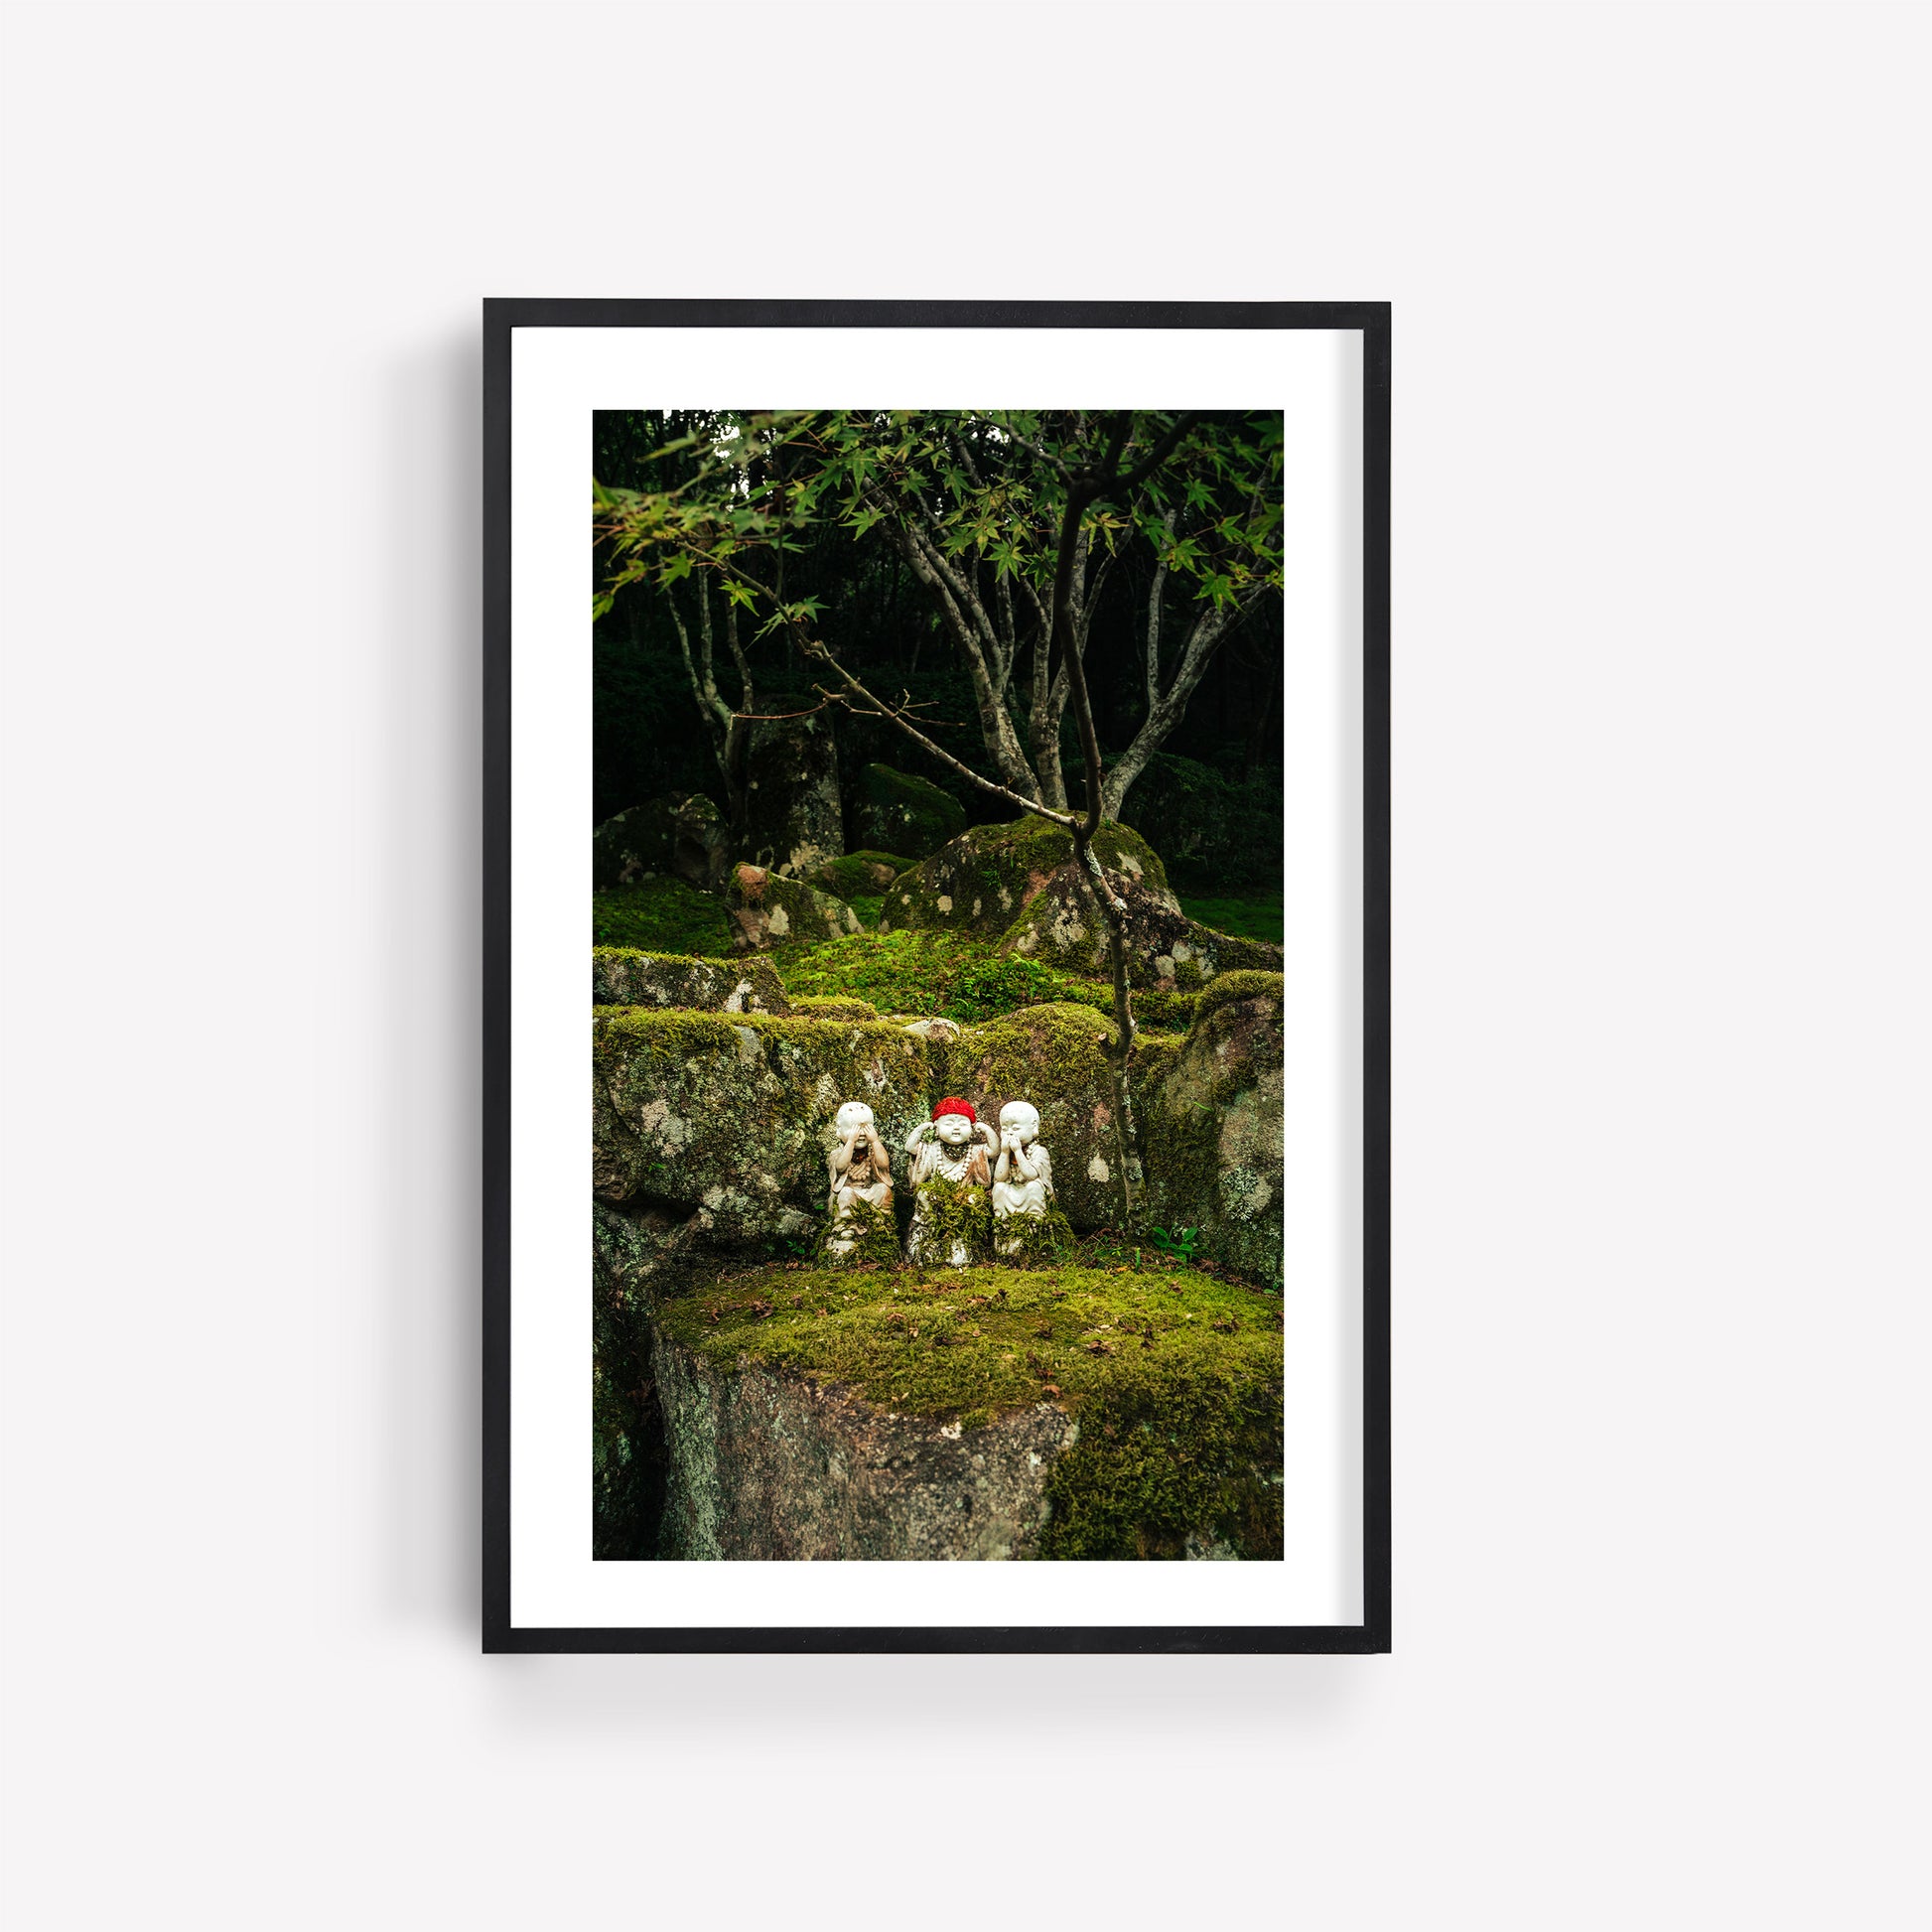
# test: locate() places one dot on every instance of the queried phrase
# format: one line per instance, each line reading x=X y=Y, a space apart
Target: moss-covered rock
x=1056 y=1057
x=1211 y=1124
x=728 y=1119
x=828 y=1007
x=768 y=909
x=1066 y=1413
x=661 y=914
x=1225 y=952
x=897 y=812
x=621 y=976
x=951 y=1227
x=859 y=875
x=681 y=835
x=792 y=822
x=981 y=882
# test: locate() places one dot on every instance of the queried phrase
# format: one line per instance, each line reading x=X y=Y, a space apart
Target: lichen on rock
x=727 y=1119
x=767 y=911
x=623 y=976
x=793 y=821
x=681 y=835
x=1212 y=1125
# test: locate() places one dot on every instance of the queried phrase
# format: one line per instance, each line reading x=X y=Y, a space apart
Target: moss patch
x=1226 y=988
x=1176 y=1380
x=949 y=1221
x=662 y=916
x=1034 y=1240
x=1259 y=918
x=823 y=1006
x=869 y=1233
x=859 y=875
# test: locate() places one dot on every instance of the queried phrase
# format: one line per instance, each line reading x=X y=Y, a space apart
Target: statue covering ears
x=951 y=1183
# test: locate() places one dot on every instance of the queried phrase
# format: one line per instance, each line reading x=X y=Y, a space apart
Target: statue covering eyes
x=861 y=1175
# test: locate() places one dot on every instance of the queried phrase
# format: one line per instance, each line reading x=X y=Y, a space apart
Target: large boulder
x=792 y=822
x=621 y=975
x=1211 y=1126
x=981 y=1413
x=681 y=835
x=897 y=812
x=1018 y=886
x=768 y=909
x=726 y=1120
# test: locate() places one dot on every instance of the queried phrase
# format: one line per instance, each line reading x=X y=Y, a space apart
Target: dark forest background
x=650 y=738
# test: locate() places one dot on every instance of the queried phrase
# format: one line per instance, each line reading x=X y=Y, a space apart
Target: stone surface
x=793 y=821
x=726 y=1120
x=768 y=909
x=622 y=977
x=681 y=835
x=765 y=1466
x=897 y=812
x=1212 y=1126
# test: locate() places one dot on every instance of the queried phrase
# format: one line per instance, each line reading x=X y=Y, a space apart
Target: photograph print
x=937 y=934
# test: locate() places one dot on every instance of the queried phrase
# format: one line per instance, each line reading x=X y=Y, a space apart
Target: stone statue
x=1027 y=1225
x=861 y=1175
x=951 y=1181
x=1023 y=1176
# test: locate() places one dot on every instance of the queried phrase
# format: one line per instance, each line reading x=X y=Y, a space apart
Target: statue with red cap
x=952 y=1214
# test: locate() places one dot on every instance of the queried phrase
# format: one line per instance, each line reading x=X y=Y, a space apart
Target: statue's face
x=1021 y=1117
x=954 y=1129
x=855 y=1113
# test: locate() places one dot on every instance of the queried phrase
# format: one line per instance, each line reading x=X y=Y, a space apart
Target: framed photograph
x=963 y=1222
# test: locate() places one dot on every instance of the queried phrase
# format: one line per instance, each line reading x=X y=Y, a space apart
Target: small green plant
x=1178 y=1246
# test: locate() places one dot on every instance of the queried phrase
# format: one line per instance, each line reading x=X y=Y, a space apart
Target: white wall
x=1661 y=297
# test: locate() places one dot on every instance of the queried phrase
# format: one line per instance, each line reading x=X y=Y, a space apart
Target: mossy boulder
x=768 y=909
x=621 y=976
x=897 y=812
x=1065 y=1413
x=726 y=1120
x=859 y=875
x=792 y=822
x=681 y=835
x=981 y=883
x=1211 y=1124
x=1055 y=1056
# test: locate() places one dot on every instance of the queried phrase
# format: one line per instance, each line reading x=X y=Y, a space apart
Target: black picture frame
x=502 y=318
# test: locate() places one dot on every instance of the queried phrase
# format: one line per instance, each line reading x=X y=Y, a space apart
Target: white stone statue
x=949 y=1161
x=860 y=1169
x=1022 y=1174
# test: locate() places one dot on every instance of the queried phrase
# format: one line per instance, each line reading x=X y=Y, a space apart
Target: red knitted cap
x=956 y=1107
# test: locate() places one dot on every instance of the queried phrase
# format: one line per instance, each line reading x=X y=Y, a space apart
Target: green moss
x=1259 y=918
x=948 y=1219
x=1034 y=1240
x=829 y=1007
x=1175 y=1379
x=663 y=915
x=623 y=976
x=1224 y=989
x=871 y=1230
x=859 y=875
